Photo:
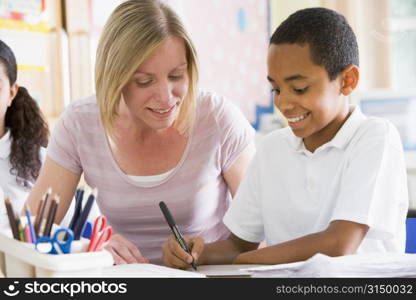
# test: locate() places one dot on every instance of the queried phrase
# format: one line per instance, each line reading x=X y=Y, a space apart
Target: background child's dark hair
x=28 y=128
x=332 y=41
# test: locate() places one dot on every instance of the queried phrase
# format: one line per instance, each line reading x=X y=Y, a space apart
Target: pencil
x=28 y=235
x=50 y=219
x=21 y=231
x=12 y=218
x=30 y=225
x=41 y=211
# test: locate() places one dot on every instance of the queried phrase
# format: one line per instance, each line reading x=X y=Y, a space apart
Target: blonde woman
x=149 y=136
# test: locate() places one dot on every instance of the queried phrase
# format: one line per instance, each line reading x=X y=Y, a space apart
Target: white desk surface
x=152 y=271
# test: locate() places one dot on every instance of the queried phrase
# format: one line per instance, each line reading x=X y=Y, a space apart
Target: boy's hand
x=175 y=257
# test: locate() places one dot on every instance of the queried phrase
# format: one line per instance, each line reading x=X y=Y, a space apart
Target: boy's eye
x=300 y=91
x=275 y=92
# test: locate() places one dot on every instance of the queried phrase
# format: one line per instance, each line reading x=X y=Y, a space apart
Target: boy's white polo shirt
x=359 y=176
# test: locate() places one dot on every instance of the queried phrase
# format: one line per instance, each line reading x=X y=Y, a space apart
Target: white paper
x=357 y=265
x=225 y=270
x=147 y=271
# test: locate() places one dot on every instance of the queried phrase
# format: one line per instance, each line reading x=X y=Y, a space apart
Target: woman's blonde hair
x=133 y=31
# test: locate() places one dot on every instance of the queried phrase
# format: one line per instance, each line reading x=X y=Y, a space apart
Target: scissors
x=59 y=243
x=101 y=234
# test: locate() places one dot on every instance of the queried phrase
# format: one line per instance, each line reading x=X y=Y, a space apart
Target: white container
x=20 y=259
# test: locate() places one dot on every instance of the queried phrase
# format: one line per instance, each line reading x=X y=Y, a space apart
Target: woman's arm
x=60 y=180
x=340 y=238
x=64 y=183
x=236 y=171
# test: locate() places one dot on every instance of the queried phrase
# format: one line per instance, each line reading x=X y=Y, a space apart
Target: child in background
x=23 y=134
x=333 y=181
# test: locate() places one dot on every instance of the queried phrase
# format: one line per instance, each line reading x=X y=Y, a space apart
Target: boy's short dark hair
x=331 y=39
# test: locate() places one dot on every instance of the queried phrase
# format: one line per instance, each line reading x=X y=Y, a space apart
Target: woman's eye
x=176 y=77
x=300 y=91
x=143 y=83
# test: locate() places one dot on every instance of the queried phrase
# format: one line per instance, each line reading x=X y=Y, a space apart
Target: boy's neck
x=311 y=144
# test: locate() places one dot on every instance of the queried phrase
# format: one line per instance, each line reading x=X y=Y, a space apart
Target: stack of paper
x=357 y=265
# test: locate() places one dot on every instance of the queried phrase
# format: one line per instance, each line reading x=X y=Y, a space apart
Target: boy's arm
x=340 y=238
x=221 y=252
x=225 y=252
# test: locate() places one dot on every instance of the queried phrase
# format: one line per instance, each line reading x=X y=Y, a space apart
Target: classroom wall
x=370 y=22
x=231 y=39
x=33 y=30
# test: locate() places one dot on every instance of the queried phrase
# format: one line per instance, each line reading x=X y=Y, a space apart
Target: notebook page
x=147 y=271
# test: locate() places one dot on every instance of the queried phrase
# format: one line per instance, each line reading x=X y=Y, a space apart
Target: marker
x=175 y=229
x=79 y=226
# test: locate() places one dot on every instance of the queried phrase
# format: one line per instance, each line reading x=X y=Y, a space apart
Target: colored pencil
x=12 y=218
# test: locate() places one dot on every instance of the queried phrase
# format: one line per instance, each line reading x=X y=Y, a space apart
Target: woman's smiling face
x=156 y=90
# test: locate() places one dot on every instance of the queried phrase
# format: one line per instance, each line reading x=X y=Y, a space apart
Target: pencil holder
x=20 y=259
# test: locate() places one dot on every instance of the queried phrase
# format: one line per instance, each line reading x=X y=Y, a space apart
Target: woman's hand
x=124 y=251
x=175 y=257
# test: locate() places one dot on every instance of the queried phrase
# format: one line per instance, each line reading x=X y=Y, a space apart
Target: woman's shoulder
x=214 y=106
x=207 y=100
x=84 y=110
x=83 y=105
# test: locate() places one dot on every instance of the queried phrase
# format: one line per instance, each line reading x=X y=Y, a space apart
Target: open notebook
x=357 y=265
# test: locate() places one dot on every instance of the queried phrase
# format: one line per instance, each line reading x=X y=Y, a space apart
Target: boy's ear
x=349 y=79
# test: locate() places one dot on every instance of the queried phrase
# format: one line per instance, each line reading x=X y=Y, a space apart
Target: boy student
x=333 y=181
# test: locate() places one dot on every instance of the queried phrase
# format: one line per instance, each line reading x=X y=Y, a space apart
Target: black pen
x=175 y=229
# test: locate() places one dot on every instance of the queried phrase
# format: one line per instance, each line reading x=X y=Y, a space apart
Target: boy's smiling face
x=313 y=105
